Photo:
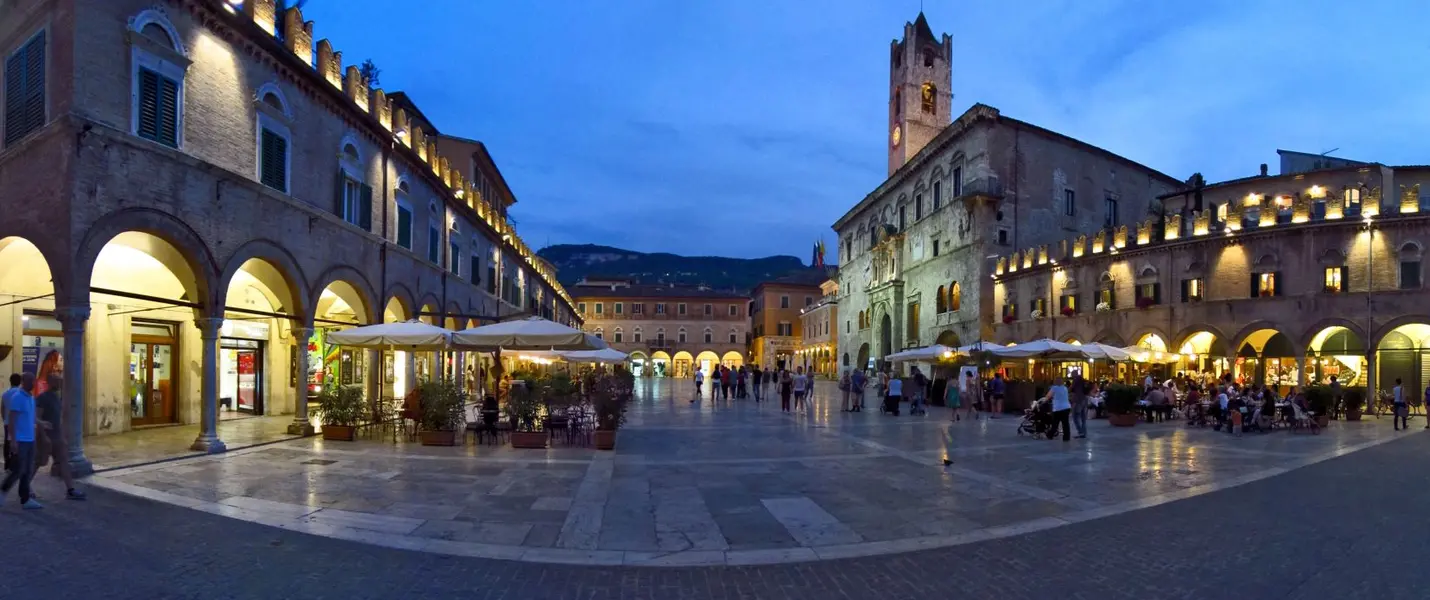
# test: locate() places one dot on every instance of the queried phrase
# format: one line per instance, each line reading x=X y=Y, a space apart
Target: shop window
x=25 y=89
x=1335 y=280
x=1193 y=290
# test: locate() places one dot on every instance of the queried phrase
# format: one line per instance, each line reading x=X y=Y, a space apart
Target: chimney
x=1263 y=169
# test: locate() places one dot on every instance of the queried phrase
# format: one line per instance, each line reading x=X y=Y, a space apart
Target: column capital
x=72 y=318
x=302 y=333
x=209 y=327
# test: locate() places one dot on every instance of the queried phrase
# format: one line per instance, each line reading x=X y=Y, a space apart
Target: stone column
x=72 y=320
x=374 y=376
x=1301 y=370
x=1372 y=379
x=208 y=398
x=300 y=424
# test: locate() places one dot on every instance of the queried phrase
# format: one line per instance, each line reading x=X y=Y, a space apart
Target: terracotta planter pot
x=605 y=439
x=438 y=438
x=1352 y=415
x=1126 y=420
x=339 y=433
x=534 y=440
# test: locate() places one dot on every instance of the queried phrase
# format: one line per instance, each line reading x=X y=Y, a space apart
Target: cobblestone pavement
x=730 y=483
x=1350 y=527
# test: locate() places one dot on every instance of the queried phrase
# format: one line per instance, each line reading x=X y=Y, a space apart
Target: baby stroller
x=890 y=405
x=1037 y=420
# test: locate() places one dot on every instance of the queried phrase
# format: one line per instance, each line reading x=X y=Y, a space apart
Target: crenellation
x=1371 y=206
x=382 y=107
x=1173 y=228
x=1410 y=199
x=433 y=159
x=1119 y=237
x=330 y=63
x=355 y=86
x=298 y=35
x=419 y=141
x=400 y=127
x=443 y=168
x=1099 y=241
x=263 y=13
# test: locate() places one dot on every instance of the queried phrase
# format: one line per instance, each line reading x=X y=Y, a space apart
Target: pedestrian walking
x=15 y=380
x=1077 y=395
x=998 y=387
x=740 y=376
x=894 y=395
x=768 y=381
x=921 y=384
x=699 y=381
x=953 y=397
x=21 y=417
x=786 y=389
x=800 y=385
x=845 y=388
x=758 y=376
x=1062 y=407
x=49 y=411
x=1401 y=417
x=857 y=381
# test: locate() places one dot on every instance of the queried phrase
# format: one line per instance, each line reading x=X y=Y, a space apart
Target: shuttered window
x=404 y=227
x=273 y=171
x=158 y=108
x=25 y=90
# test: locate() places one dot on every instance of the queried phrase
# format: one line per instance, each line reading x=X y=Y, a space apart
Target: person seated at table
x=1156 y=401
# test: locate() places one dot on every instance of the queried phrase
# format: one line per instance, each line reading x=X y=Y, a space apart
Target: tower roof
x=922 y=30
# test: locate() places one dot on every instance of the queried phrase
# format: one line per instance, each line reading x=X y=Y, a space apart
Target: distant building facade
x=819 y=339
x=668 y=330
x=775 y=308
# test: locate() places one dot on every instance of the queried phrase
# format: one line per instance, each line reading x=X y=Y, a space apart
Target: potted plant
x=558 y=393
x=1318 y=401
x=1037 y=315
x=1354 y=399
x=1009 y=319
x=523 y=410
x=609 y=395
x=1103 y=307
x=444 y=412
x=340 y=407
x=1069 y=311
x=1121 y=402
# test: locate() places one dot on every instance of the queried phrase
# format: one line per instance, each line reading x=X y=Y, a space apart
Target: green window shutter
x=1254 y=291
x=404 y=227
x=1157 y=293
x=434 y=248
x=338 y=184
x=15 y=97
x=454 y=258
x=148 y=105
x=474 y=272
x=365 y=208
x=1278 y=286
x=168 y=123
x=1345 y=279
x=25 y=90
x=274 y=162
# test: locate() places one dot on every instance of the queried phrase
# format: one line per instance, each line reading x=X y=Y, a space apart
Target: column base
x=303 y=427
x=78 y=467
x=209 y=445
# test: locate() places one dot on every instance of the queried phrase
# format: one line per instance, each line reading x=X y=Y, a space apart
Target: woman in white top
x=800 y=384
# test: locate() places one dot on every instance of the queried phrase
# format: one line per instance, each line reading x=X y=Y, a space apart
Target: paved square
x=729 y=483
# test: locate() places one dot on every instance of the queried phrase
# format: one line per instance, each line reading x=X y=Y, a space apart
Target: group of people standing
x=725 y=381
x=34 y=434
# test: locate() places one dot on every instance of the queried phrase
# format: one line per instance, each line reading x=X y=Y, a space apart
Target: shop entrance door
x=151 y=381
x=241 y=373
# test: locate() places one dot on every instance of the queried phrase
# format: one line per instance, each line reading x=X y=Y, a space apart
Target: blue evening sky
x=746 y=127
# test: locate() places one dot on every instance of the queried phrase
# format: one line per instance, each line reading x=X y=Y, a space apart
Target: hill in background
x=576 y=261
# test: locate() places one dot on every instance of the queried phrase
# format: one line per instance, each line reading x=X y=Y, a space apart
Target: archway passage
x=1206 y=355
x=1267 y=357
x=1404 y=353
x=1336 y=352
x=732 y=359
x=886 y=338
x=1153 y=342
x=862 y=360
x=253 y=355
x=948 y=338
x=640 y=364
x=33 y=336
x=681 y=365
x=340 y=305
x=706 y=361
x=660 y=363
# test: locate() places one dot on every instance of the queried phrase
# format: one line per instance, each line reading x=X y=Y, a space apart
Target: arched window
x=274 y=138
x=929 y=97
x=636 y=335
x=941 y=303
x=1410 y=254
x=600 y=333
x=1105 y=299
x=680 y=335
x=709 y=336
x=734 y=336
x=618 y=335
x=157 y=79
x=955 y=297
x=352 y=199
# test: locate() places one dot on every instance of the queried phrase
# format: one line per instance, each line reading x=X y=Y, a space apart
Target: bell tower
x=920 y=73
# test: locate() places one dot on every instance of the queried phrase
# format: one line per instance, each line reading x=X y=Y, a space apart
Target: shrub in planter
x=1121 y=402
x=1318 y=401
x=1353 y=399
x=1069 y=311
x=341 y=410
x=523 y=410
x=609 y=393
x=444 y=411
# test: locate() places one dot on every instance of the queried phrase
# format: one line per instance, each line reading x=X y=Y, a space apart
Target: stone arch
x=1309 y=335
x=271 y=88
x=1331 y=257
x=1392 y=324
x=353 y=278
x=191 y=250
x=51 y=251
x=1140 y=333
x=1110 y=337
x=1253 y=327
x=948 y=338
x=281 y=261
x=400 y=293
x=157 y=17
x=1266 y=263
x=450 y=322
x=1187 y=332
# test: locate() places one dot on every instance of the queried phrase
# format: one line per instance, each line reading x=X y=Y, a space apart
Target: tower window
x=928 y=58
x=929 y=98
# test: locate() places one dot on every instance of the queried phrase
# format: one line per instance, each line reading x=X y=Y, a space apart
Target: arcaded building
x=914 y=266
x=194 y=192
x=669 y=331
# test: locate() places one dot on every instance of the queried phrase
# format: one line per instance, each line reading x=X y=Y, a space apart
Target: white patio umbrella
x=406 y=335
x=931 y=353
x=1104 y=351
x=990 y=347
x=604 y=355
x=1044 y=348
x=531 y=333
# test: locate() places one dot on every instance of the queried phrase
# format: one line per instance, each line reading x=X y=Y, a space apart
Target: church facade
x=917 y=254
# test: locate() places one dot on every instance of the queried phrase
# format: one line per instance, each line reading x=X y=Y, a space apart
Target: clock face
x=896 y=135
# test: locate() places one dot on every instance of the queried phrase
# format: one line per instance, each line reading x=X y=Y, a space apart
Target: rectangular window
x=1069 y=202
x=1010 y=312
x=660 y=308
x=1193 y=290
x=935 y=248
x=25 y=89
x=808 y=301
x=618 y=337
x=1265 y=285
x=158 y=111
x=1067 y=305
x=404 y=226
x=733 y=338
x=680 y=308
x=903 y=218
x=1409 y=274
x=352 y=200
x=660 y=338
x=937 y=194
x=637 y=308
x=1105 y=296
x=637 y=338
x=681 y=337
x=474 y=270
x=918 y=206
x=1002 y=237
x=492 y=279
x=709 y=337
x=620 y=307
x=1335 y=280
x=734 y=310
x=600 y=307
x=454 y=254
x=1148 y=294
x=784 y=301
x=434 y=244
x=273 y=165
x=709 y=310
x=581 y=307
x=958 y=182
x=1040 y=306
x=1109 y=206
